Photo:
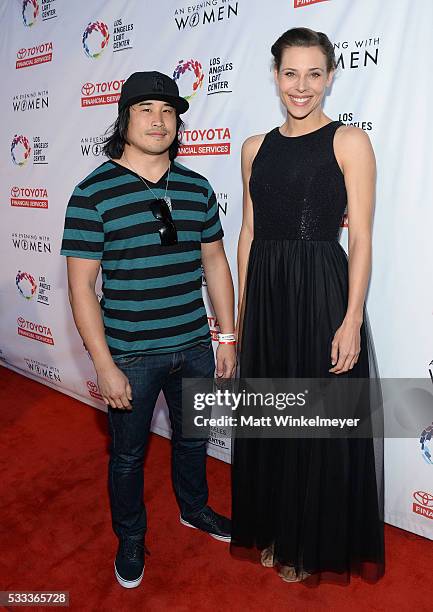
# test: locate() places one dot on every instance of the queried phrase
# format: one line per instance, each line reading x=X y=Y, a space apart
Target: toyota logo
x=87 y=89
x=425 y=499
x=21 y=53
x=92 y=386
x=21 y=322
x=15 y=192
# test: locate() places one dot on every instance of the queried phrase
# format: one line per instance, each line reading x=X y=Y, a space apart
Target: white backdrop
x=62 y=67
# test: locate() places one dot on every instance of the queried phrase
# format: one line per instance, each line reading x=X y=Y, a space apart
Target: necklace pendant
x=167 y=200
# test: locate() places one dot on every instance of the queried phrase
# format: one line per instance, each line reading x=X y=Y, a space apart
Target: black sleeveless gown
x=319 y=502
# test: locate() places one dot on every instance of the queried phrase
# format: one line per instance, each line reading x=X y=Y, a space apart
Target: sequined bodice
x=297 y=187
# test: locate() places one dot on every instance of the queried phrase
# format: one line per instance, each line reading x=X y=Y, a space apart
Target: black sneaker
x=216 y=525
x=129 y=562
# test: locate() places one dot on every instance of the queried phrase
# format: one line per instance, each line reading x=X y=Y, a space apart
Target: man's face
x=152 y=126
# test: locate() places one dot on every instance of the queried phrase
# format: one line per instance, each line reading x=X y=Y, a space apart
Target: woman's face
x=302 y=79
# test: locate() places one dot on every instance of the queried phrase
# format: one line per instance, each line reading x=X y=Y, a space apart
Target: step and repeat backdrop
x=62 y=68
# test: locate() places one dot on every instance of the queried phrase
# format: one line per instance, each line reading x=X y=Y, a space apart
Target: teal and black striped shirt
x=152 y=294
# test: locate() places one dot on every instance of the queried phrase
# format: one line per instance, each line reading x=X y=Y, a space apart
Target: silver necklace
x=166 y=198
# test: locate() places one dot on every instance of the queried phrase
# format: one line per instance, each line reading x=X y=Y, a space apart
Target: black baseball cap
x=151 y=86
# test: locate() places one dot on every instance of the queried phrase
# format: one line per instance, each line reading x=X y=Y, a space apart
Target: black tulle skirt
x=318 y=502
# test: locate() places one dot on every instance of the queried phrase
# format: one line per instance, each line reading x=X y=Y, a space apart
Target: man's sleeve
x=212 y=229
x=83 y=235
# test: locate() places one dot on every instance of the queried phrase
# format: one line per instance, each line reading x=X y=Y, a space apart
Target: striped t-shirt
x=152 y=294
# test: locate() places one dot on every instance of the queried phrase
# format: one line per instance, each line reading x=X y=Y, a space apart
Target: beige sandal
x=267 y=556
x=288 y=574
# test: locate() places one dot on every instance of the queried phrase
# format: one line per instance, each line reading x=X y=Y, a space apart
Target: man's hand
x=114 y=387
x=226 y=360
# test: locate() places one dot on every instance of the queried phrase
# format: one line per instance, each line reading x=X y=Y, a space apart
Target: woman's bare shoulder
x=251 y=145
x=351 y=136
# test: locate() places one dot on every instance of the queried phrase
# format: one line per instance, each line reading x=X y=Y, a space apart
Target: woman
x=313 y=507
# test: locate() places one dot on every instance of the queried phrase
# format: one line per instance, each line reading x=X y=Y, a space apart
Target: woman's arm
x=249 y=151
x=355 y=154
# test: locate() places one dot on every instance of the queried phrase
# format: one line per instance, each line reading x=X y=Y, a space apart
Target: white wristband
x=226 y=337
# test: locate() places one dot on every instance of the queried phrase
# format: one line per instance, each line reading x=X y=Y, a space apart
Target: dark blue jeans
x=129 y=430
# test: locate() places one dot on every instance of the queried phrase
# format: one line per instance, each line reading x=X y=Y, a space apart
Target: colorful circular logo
x=30 y=12
x=95 y=38
x=426 y=446
x=195 y=70
x=26 y=284
x=20 y=150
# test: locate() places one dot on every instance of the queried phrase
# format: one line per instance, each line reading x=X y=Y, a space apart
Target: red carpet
x=56 y=531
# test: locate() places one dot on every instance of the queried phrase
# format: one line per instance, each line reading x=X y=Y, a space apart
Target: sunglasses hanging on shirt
x=161 y=210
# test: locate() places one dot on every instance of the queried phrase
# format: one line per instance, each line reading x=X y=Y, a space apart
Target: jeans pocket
x=203 y=346
x=126 y=360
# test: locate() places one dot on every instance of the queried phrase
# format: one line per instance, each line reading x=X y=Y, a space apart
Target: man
x=150 y=223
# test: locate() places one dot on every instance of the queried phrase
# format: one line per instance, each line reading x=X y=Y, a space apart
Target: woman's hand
x=346 y=346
